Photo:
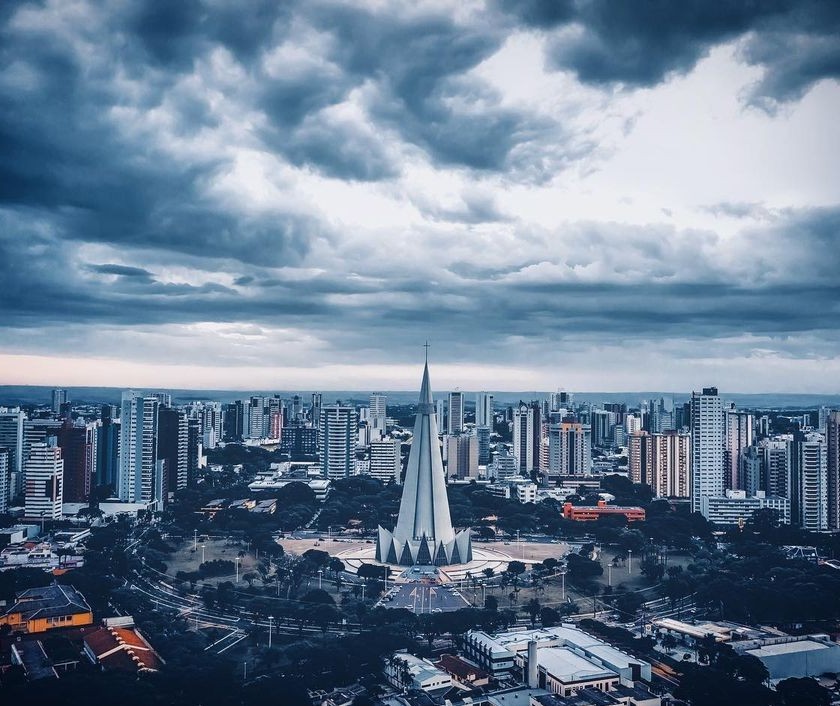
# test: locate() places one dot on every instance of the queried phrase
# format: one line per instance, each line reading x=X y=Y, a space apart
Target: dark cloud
x=121 y=270
x=642 y=43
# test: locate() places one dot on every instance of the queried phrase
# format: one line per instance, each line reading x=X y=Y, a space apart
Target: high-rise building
x=640 y=457
x=462 y=456
x=632 y=424
x=538 y=433
x=339 y=425
x=173 y=447
x=670 y=464
x=569 y=448
x=662 y=461
x=776 y=467
x=559 y=400
x=107 y=450
x=385 y=463
x=233 y=419
x=300 y=443
x=752 y=470
x=5 y=479
x=255 y=420
x=59 y=398
x=708 y=438
x=523 y=437
x=424 y=533
x=78 y=451
x=378 y=413
x=194 y=450
x=482 y=433
x=11 y=438
x=809 y=506
x=315 y=410
x=603 y=427
x=44 y=491
x=138 y=449
x=739 y=436
x=503 y=466
x=484 y=410
x=455 y=423
x=832 y=442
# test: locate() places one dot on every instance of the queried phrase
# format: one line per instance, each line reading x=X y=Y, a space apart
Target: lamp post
x=609 y=574
x=563 y=585
x=270 y=620
x=629 y=561
x=236 y=562
x=202 y=553
x=320 y=575
x=195 y=539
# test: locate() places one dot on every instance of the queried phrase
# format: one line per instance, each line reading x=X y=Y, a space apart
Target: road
x=420 y=597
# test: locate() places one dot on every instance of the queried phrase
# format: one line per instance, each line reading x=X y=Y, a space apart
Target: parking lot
x=424 y=597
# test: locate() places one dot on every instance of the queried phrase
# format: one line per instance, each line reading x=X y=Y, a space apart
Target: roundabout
x=482 y=559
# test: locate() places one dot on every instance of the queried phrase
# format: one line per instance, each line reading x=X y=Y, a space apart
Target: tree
x=491 y=603
x=628 y=603
x=751 y=668
x=533 y=608
x=803 y=692
x=549 y=616
x=516 y=568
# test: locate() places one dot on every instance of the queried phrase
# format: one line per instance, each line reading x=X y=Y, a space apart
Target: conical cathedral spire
x=424 y=525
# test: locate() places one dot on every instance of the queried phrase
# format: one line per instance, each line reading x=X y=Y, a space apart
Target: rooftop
x=567 y=666
x=48 y=602
x=804 y=645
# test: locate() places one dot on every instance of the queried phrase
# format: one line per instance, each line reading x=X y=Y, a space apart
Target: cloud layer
x=543 y=189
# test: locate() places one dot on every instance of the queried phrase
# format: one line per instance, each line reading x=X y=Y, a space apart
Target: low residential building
x=591 y=513
x=464 y=673
x=46 y=608
x=405 y=671
x=121 y=649
x=736 y=508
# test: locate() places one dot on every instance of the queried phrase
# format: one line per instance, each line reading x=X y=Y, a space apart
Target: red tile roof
x=122 y=649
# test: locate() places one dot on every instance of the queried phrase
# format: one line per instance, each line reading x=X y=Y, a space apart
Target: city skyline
x=300 y=195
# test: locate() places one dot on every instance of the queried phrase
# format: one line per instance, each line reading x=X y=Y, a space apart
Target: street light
x=609 y=574
x=195 y=539
x=563 y=584
x=629 y=561
x=202 y=553
x=320 y=575
x=236 y=562
x=270 y=620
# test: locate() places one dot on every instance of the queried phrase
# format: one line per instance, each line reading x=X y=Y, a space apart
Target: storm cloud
x=334 y=181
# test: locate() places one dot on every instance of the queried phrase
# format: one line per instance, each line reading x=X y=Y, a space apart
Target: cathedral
x=424 y=534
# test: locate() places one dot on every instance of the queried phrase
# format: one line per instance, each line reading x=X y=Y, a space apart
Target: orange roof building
x=120 y=648
x=47 y=607
x=590 y=513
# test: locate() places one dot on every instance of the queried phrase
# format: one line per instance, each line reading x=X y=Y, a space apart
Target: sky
x=567 y=194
